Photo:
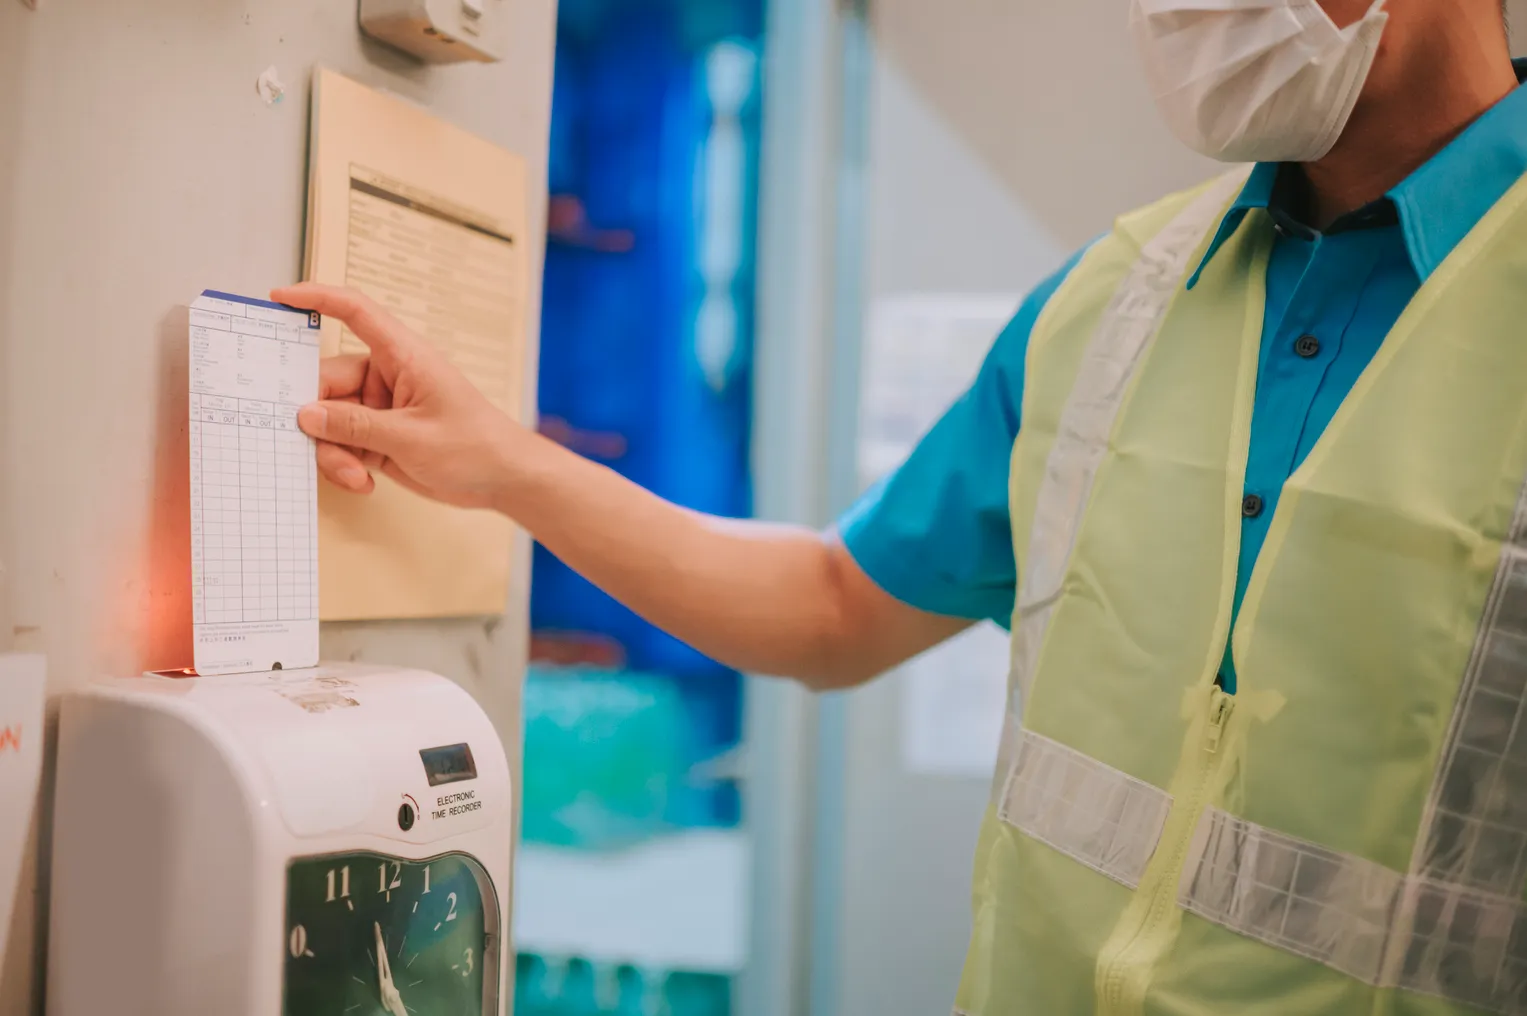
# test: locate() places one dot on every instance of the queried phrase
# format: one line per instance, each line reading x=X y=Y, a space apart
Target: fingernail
x=353 y=477
x=313 y=419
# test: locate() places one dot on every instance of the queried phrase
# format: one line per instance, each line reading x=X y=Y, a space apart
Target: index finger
x=379 y=330
x=342 y=376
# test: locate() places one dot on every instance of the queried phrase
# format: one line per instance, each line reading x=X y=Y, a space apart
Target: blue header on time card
x=246 y=306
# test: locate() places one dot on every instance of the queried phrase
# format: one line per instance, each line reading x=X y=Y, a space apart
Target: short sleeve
x=936 y=533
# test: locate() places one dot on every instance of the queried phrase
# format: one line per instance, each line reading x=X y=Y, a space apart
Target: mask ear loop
x=1366 y=34
x=1312 y=18
x=1310 y=14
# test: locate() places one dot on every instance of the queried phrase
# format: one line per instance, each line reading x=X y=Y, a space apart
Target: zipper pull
x=1220 y=705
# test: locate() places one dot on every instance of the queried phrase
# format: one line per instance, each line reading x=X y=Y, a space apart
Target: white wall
x=999 y=122
x=1045 y=100
x=138 y=166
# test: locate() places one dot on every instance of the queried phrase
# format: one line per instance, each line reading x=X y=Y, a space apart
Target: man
x=1247 y=476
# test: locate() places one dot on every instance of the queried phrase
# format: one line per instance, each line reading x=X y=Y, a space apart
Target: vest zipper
x=1221 y=703
x=1123 y=986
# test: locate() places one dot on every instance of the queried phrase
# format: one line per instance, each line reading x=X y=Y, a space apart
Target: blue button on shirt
x=936 y=534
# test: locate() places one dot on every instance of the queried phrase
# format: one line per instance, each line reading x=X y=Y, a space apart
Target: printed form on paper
x=254 y=486
x=429 y=221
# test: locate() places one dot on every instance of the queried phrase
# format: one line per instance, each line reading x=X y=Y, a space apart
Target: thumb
x=351 y=424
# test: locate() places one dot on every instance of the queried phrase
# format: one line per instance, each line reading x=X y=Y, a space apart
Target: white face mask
x=1255 y=80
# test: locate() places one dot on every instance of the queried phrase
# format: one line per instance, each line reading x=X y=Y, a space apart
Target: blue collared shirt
x=936 y=533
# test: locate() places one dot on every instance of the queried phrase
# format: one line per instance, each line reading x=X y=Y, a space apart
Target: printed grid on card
x=254 y=484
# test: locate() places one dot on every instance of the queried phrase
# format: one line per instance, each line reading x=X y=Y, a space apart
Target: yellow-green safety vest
x=1348 y=833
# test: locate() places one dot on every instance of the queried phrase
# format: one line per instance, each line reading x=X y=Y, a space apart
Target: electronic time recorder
x=310 y=843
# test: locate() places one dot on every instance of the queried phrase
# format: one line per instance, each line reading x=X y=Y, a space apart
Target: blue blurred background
x=646 y=356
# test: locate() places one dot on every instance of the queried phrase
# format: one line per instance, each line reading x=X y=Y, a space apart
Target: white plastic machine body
x=440 y=31
x=183 y=803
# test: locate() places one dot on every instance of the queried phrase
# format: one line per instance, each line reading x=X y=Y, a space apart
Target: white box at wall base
x=304 y=841
x=439 y=31
x=23 y=680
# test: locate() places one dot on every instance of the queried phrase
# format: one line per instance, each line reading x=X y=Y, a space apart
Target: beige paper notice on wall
x=429 y=220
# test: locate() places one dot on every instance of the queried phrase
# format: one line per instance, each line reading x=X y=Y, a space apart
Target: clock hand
x=381 y=957
x=390 y=997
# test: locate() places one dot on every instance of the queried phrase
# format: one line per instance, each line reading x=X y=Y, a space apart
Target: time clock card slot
x=254 y=486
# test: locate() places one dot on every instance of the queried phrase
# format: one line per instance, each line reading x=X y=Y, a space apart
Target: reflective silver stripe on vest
x=1131 y=320
x=1374 y=924
x=1467 y=926
x=1464 y=946
x=1477 y=814
x=1326 y=906
x=1346 y=912
x=1455 y=927
x=1093 y=813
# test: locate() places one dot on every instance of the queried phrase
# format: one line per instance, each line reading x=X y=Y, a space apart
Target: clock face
x=371 y=935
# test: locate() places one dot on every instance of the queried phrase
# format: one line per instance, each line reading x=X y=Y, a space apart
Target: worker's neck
x=1394 y=130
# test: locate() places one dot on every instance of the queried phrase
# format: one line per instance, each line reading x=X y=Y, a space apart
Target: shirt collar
x=1437 y=205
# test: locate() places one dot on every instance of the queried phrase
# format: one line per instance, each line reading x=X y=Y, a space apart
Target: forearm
x=758 y=597
x=764 y=599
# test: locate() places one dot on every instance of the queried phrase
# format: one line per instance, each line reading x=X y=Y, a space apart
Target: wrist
x=526 y=464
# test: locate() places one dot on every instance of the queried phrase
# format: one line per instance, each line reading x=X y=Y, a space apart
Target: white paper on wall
x=921 y=353
x=952 y=703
